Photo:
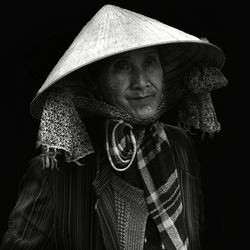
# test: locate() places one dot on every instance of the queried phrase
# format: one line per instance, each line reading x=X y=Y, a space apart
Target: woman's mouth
x=139 y=97
x=141 y=100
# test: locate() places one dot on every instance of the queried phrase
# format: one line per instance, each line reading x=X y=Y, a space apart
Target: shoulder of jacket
x=177 y=135
x=184 y=148
x=50 y=163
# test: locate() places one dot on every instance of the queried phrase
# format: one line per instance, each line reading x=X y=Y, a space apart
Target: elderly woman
x=111 y=174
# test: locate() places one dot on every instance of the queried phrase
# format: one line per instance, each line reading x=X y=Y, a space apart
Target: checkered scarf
x=160 y=178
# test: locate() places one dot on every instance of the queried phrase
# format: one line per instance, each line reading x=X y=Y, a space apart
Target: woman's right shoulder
x=50 y=164
x=43 y=165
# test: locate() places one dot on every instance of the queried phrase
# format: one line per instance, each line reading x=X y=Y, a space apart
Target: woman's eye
x=150 y=60
x=122 y=66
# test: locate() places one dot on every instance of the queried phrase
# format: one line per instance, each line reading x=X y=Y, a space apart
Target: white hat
x=114 y=30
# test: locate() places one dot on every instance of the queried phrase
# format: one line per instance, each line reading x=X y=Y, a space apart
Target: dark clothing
x=56 y=208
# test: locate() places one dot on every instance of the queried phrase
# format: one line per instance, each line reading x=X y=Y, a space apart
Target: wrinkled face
x=133 y=81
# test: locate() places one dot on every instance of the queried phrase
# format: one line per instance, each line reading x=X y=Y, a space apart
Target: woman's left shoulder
x=177 y=135
x=184 y=147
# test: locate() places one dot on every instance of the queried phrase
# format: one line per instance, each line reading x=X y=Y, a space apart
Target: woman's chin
x=146 y=113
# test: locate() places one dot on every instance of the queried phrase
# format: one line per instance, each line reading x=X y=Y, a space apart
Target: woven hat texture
x=115 y=30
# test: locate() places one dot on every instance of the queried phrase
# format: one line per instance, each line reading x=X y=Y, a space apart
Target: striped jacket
x=56 y=208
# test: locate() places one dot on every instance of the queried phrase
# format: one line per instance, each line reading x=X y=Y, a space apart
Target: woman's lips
x=141 y=97
x=141 y=100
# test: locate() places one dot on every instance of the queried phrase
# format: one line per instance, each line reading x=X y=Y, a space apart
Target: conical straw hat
x=114 y=30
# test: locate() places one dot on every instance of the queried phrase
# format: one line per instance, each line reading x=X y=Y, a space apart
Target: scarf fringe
x=48 y=158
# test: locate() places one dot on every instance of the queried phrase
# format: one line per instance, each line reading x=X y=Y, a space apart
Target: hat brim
x=178 y=57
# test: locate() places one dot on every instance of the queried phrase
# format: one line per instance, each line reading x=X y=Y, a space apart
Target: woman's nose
x=140 y=79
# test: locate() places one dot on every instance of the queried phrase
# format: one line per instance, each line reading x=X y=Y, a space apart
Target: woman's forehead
x=104 y=63
x=142 y=51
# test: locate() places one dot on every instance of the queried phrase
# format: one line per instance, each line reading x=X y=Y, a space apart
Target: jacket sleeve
x=31 y=220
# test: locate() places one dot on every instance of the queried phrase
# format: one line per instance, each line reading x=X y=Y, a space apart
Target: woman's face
x=133 y=81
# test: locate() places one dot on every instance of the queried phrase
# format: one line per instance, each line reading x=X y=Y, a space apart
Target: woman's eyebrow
x=150 y=52
x=120 y=57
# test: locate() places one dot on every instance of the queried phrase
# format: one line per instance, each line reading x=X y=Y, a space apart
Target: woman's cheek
x=112 y=94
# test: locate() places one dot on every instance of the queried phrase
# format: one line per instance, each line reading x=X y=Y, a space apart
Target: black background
x=36 y=34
